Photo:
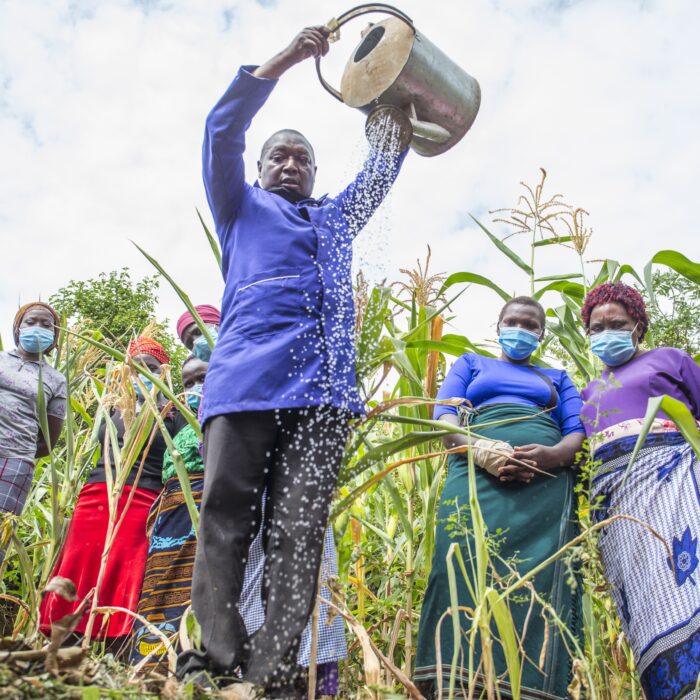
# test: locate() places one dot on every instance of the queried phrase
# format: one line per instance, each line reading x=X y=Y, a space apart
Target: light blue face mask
x=193 y=396
x=517 y=343
x=614 y=348
x=36 y=339
x=200 y=347
x=146 y=382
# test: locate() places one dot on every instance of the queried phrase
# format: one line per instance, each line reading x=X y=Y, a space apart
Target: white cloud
x=102 y=107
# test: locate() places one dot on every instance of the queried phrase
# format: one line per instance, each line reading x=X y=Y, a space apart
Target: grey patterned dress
x=19 y=422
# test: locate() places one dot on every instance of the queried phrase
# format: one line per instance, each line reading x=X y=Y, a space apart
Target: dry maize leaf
x=171 y=689
x=63 y=587
x=373 y=675
x=545 y=644
x=59 y=631
x=337 y=597
x=619 y=654
x=578 y=681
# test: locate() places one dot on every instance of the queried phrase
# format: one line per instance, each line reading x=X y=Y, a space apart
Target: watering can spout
x=430 y=131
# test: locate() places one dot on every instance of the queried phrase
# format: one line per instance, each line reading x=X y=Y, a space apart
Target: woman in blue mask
x=657 y=595
x=35 y=331
x=527 y=420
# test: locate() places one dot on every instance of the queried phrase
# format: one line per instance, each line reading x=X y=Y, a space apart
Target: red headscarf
x=148 y=346
x=208 y=314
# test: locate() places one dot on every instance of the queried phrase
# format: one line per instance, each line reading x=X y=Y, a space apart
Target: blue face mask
x=614 y=347
x=36 y=339
x=146 y=382
x=193 y=396
x=201 y=348
x=517 y=343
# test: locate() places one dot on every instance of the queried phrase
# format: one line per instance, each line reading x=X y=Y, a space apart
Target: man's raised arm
x=224 y=138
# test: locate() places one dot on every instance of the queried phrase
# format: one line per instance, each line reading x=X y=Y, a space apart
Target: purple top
x=623 y=393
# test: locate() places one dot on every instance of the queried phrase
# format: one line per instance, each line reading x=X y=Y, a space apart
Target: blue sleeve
x=568 y=411
x=455 y=385
x=224 y=143
x=362 y=197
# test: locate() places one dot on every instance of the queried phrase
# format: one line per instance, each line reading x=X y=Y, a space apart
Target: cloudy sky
x=102 y=106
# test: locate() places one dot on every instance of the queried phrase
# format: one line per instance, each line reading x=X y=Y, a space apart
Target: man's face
x=287 y=164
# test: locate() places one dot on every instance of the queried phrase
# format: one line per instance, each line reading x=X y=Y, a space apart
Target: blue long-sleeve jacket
x=286 y=334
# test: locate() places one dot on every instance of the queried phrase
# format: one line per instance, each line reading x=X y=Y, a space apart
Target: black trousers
x=295 y=454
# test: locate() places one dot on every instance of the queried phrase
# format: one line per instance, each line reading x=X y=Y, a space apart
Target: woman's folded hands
x=506 y=463
x=491 y=455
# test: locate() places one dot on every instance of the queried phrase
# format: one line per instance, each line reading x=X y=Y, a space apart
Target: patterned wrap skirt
x=81 y=557
x=655 y=585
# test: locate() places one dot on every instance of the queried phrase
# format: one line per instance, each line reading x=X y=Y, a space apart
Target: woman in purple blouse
x=657 y=595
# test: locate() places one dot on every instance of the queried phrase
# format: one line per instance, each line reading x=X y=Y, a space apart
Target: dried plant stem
x=413 y=692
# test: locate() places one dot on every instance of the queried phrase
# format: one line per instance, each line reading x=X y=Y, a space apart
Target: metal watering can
x=396 y=69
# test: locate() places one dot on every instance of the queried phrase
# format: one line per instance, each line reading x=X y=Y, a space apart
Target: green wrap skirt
x=529 y=523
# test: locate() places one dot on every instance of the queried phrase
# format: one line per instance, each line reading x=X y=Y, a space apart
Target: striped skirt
x=167 y=582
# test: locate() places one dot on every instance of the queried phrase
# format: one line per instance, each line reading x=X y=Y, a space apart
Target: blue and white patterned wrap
x=331 y=638
x=657 y=596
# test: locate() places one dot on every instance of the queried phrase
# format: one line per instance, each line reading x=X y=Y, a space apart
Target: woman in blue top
x=530 y=513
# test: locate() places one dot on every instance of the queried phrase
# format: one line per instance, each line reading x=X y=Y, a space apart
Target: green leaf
x=626 y=270
x=512 y=255
x=371 y=330
x=450 y=348
x=508 y=638
x=376 y=454
x=678 y=262
x=573 y=289
x=552 y=241
x=550 y=278
x=473 y=278
x=399 y=506
x=181 y=293
x=213 y=243
x=607 y=272
x=678 y=412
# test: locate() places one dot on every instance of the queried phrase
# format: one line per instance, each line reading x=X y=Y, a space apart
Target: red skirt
x=82 y=553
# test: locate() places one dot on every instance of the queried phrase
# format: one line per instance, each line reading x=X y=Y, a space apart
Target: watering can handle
x=335 y=24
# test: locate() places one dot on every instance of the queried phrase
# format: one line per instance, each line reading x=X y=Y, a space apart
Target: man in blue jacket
x=281 y=385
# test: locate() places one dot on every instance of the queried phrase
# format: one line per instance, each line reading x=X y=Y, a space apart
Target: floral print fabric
x=654 y=584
